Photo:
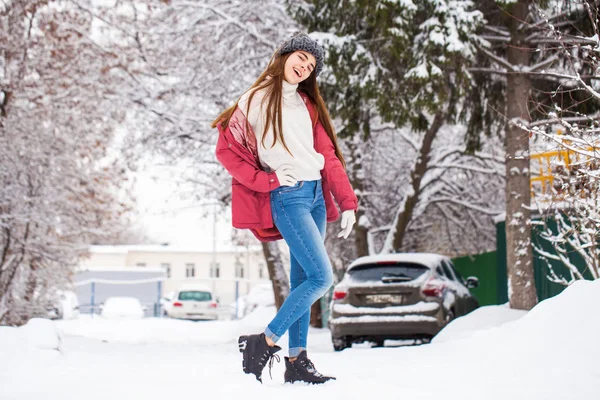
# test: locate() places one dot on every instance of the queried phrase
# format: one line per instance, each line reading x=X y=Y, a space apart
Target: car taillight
x=213 y=304
x=339 y=294
x=434 y=288
x=177 y=304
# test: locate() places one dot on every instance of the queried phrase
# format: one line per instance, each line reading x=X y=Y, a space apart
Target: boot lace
x=269 y=358
x=310 y=367
x=272 y=359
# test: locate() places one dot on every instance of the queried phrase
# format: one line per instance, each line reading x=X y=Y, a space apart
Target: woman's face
x=299 y=65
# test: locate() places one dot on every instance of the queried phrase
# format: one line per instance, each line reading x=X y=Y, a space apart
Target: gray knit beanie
x=301 y=41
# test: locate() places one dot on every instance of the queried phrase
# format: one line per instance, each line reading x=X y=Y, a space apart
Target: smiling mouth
x=297 y=72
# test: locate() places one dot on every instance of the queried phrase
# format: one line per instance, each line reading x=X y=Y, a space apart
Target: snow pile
x=259 y=295
x=42 y=334
x=481 y=319
x=12 y=340
x=551 y=352
x=258 y=319
x=167 y=330
x=36 y=334
x=149 y=330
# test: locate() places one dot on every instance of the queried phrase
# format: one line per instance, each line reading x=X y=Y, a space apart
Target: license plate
x=384 y=298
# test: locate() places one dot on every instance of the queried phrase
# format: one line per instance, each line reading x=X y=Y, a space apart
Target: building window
x=141 y=265
x=167 y=268
x=239 y=270
x=190 y=270
x=214 y=270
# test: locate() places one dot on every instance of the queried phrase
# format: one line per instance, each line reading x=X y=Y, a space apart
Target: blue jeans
x=300 y=215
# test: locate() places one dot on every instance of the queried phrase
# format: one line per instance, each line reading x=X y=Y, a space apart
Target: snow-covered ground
x=552 y=352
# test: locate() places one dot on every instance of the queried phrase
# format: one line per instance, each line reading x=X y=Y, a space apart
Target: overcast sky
x=169 y=218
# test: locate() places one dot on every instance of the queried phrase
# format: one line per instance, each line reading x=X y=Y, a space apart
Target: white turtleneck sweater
x=297 y=131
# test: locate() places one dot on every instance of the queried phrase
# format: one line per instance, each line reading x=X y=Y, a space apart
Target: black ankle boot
x=257 y=353
x=303 y=370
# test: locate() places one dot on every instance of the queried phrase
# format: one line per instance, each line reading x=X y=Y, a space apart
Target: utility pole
x=214 y=249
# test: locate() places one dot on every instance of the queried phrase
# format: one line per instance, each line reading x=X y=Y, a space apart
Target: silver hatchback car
x=398 y=296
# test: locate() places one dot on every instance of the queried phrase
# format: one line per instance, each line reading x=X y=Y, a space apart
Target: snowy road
x=526 y=357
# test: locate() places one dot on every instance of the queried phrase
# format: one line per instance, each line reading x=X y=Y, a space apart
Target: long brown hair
x=272 y=81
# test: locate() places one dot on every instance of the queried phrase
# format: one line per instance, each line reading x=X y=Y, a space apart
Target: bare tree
x=567 y=197
x=62 y=182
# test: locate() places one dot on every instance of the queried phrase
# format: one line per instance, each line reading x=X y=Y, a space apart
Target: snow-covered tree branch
x=63 y=181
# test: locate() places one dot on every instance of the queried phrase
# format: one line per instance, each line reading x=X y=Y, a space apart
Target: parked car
x=260 y=295
x=166 y=302
x=397 y=296
x=193 y=302
x=122 y=308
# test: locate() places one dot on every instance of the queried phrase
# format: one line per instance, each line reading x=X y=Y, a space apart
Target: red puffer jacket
x=250 y=186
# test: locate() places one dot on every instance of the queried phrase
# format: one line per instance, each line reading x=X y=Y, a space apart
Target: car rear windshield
x=195 y=295
x=387 y=272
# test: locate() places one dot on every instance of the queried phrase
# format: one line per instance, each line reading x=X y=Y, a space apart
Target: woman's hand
x=286 y=175
x=348 y=220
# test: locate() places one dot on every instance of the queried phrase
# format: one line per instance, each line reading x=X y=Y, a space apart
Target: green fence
x=545 y=288
x=484 y=267
x=490 y=268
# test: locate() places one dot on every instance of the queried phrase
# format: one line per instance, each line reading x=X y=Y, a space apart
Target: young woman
x=278 y=144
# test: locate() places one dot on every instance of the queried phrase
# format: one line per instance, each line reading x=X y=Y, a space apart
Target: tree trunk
x=411 y=200
x=316 y=315
x=519 y=257
x=358 y=184
x=277 y=274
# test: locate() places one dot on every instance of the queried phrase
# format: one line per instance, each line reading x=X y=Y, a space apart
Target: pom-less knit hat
x=301 y=41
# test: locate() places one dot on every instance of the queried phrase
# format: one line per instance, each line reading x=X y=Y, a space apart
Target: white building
x=228 y=271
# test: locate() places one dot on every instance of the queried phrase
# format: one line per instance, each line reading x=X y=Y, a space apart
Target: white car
x=193 y=302
x=122 y=308
x=165 y=303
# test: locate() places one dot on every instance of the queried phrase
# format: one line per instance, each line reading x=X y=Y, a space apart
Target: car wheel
x=340 y=343
x=421 y=341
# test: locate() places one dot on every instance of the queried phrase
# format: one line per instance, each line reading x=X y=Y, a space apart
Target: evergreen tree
x=402 y=62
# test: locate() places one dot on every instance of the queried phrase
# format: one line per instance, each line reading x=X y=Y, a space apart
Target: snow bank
x=149 y=330
x=258 y=319
x=11 y=340
x=38 y=333
x=479 y=320
x=167 y=330
x=42 y=334
x=550 y=353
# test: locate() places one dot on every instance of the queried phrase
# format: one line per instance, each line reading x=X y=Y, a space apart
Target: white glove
x=286 y=175
x=348 y=220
